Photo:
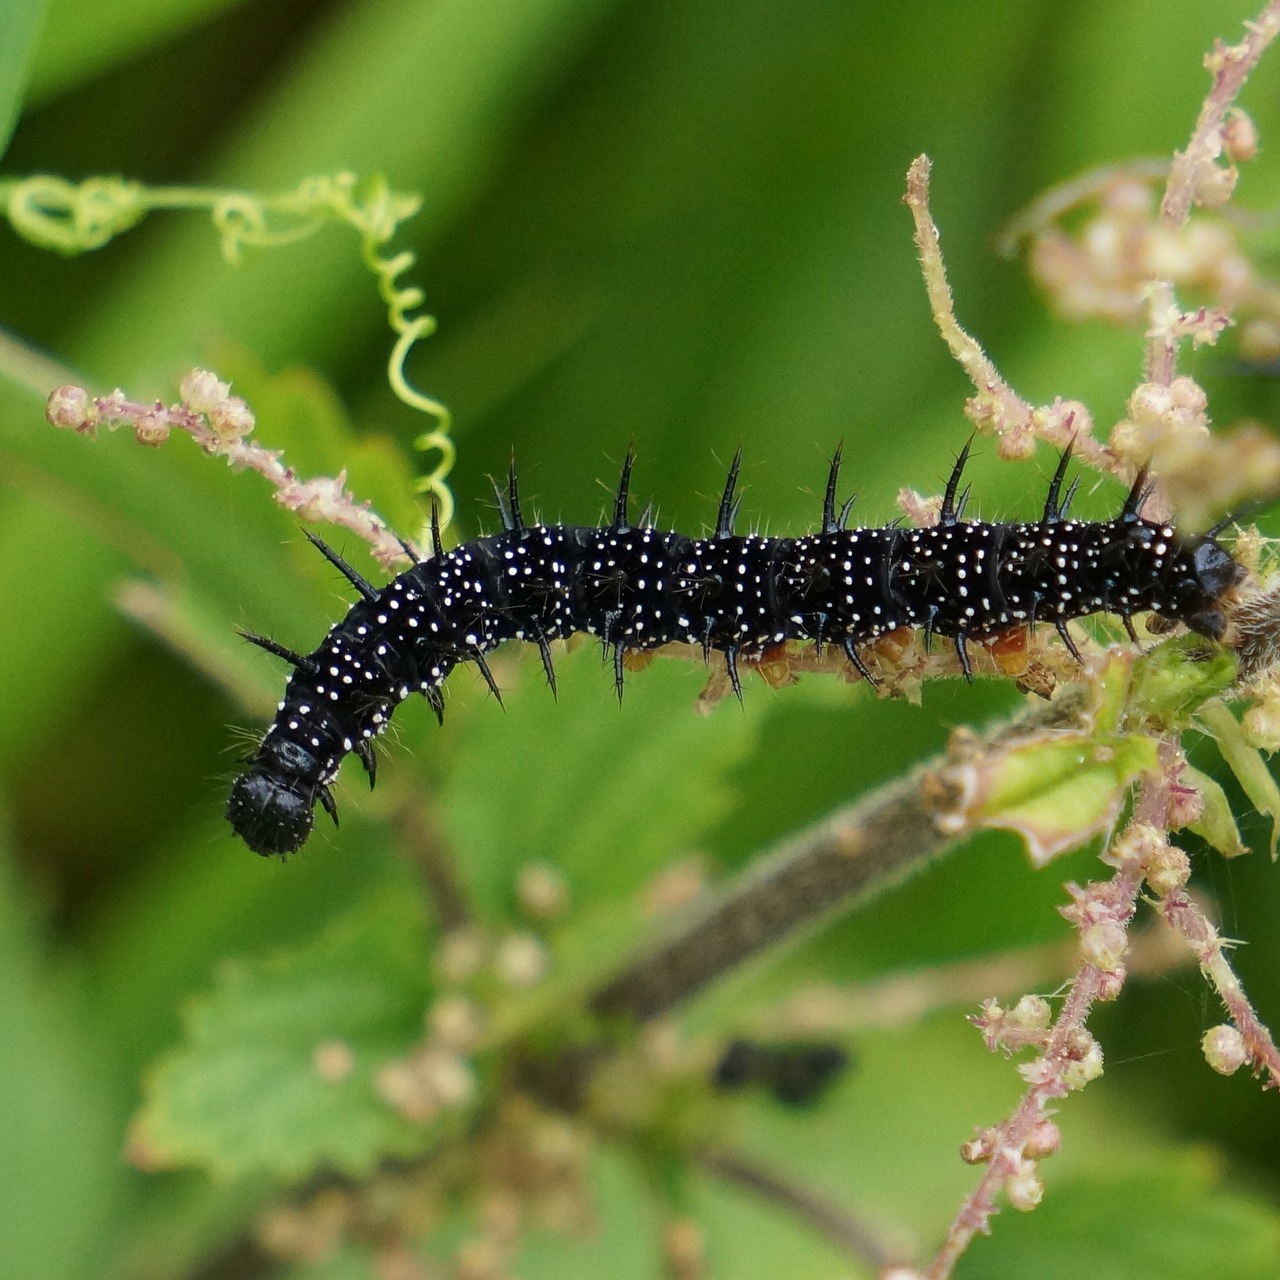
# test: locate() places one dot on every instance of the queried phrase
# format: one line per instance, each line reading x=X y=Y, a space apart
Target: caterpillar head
x=271 y=815
x=271 y=806
x=1206 y=572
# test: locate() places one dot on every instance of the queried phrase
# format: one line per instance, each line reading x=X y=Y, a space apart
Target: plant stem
x=848 y=856
x=839 y=1226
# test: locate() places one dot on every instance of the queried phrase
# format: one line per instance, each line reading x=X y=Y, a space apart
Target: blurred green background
x=673 y=225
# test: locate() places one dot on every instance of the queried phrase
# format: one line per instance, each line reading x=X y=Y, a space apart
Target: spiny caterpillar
x=637 y=587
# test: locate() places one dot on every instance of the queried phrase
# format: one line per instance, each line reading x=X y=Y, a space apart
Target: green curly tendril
x=71 y=218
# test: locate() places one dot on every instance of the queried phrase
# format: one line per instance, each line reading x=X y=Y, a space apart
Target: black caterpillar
x=637 y=587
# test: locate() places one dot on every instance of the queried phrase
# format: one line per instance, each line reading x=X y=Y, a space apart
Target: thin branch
x=1210 y=950
x=828 y=1009
x=219 y=423
x=1195 y=176
x=963 y=346
x=1006 y=1161
x=1160 y=360
x=823 y=872
x=838 y=1225
x=1069 y=1057
x=996 y=406
x=907 y=998
x=1059 y=200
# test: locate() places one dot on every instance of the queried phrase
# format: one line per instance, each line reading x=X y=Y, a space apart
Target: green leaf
x=1121 y=1201
x=1058 y=791
x=1170 y=1221
x=1175 y=679
x=242 y=1094
x=59 y=1180
x=1217 y=824
x=608 y=794
x=1246 y=763
x=84 y=37
x=57 y=573
x=19 y=27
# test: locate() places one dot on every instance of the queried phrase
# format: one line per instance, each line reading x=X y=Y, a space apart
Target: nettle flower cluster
x=220 y=423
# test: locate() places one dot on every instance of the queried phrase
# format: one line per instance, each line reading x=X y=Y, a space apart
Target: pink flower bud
x=1044 y=1140
x=152 y=429
x=1111 y=983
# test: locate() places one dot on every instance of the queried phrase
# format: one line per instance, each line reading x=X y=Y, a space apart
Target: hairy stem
x=1191 y=174
x=964 y=347
x=838 y=1225
x=976 y=1210
x=817 y=875
x=1210 y=950
x=996 y=406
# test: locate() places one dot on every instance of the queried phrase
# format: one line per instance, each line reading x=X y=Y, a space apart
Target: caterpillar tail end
x=271 y=817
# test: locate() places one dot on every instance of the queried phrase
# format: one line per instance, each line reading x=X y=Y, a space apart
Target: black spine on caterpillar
x=636 y=587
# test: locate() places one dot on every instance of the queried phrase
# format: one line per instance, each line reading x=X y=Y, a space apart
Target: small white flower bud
x=1077 y=1074
x=400 y=1085
x=684 y=1247
x=980 y=1148
x=1214 y=185
x=152 y=429
x=1186 y=805
x=231 y=418
x=1262 y=722
x=1224 y=1049
x=1024 y=1190
x=1167 y=870
x=521 y=960
x=542 y=891
x=1104 y=944
x=72 y=408
x=479 y=1260
x=456 y=1022
x=1189 y=397
x=1110 y=984
x=1016 y=445
x=1239 y=136
x=333 y=1061
x=448 y=1076
x=1031 y=1013
x=201 y=390
x=462 y=952
x=1260 y=340
x=1150 y=403
x=1129 y=441
x=1138 y=845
